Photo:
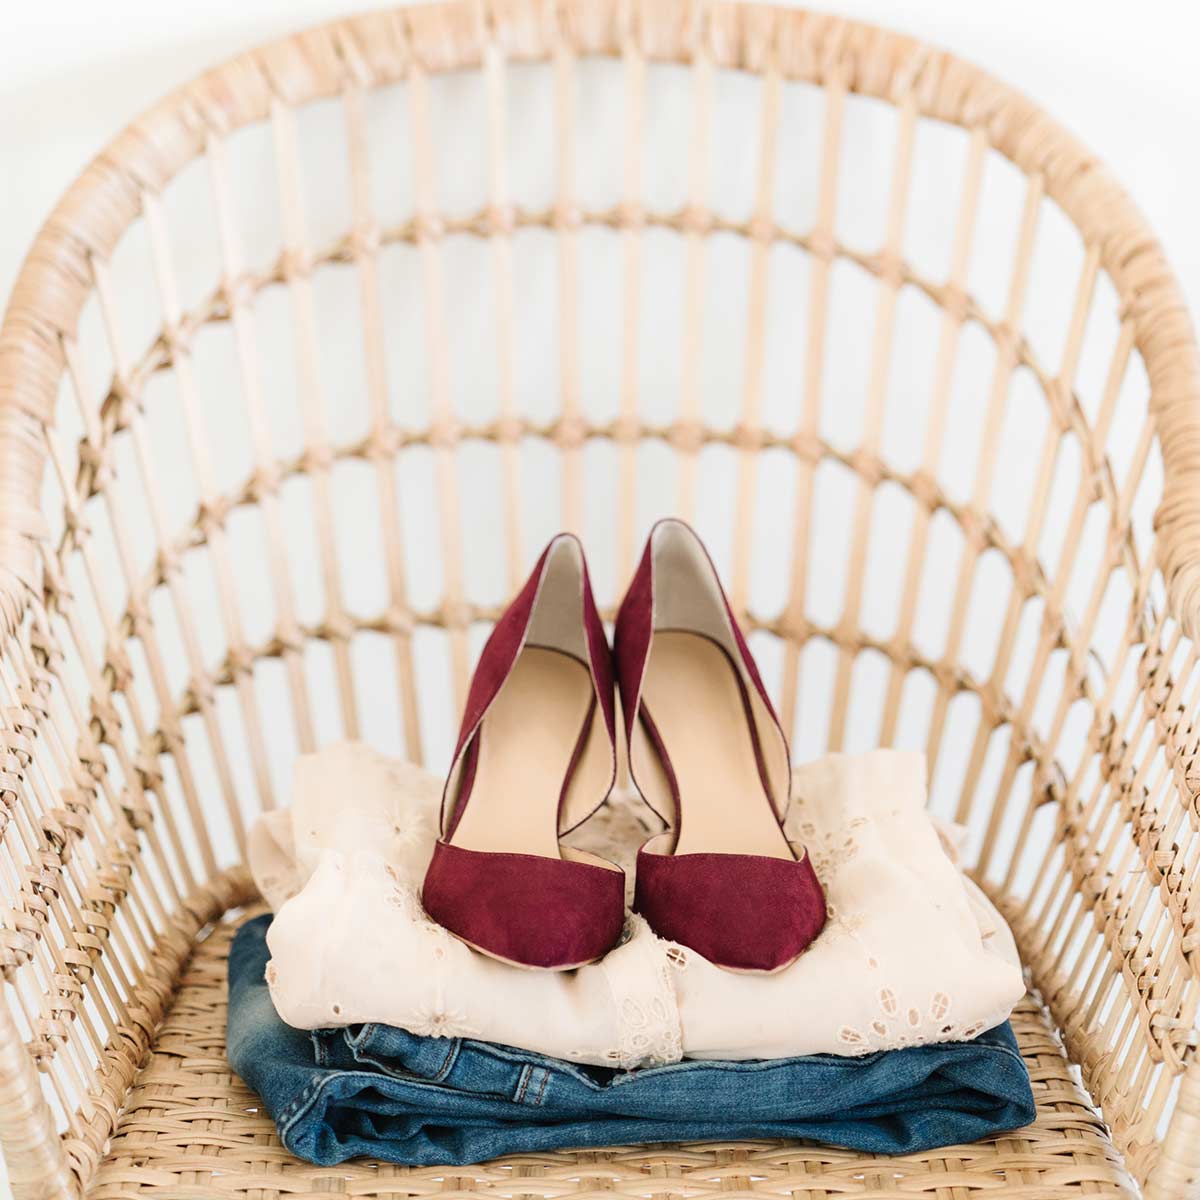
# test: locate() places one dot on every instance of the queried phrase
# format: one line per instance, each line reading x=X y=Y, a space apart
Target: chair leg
x=33 y=1151
x=1176 y=1175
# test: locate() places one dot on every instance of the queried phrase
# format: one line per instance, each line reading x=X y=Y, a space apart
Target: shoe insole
x=691 y=692
x=526 y=743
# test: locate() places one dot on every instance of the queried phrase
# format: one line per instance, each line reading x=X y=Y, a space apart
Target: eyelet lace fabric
x=912 y=953
x=643 y=995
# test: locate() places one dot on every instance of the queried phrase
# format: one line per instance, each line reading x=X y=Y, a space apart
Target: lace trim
x=830 y=849
x=648 y=1028
x=921 y=1024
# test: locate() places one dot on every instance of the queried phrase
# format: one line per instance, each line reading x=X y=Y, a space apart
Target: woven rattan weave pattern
x=191 y=1127
x=154 y=689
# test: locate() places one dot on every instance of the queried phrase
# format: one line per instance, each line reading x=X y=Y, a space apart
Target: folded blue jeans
x=380 y=1091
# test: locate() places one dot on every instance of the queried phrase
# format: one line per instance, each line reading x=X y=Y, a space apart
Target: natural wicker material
x=187 y=1117
x=154 y=688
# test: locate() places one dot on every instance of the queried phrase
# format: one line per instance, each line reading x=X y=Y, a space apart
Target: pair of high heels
x=537 y=755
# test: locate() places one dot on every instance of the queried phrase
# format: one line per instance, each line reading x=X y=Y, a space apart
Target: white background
x=73 y=72
x=1123 y=77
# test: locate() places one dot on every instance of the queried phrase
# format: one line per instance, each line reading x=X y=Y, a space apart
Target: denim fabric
x=377 y=1090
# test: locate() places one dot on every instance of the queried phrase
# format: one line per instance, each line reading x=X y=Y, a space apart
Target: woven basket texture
x=316 y=355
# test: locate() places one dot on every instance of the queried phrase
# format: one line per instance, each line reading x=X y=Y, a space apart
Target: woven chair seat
x=190 y=1127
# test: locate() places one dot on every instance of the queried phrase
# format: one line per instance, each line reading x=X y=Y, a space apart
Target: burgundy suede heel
x=536 y=756
x=707 y=753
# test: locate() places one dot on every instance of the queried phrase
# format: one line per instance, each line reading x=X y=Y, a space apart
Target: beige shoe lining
x=688 y=597
x=692 y=695
x=526 y=743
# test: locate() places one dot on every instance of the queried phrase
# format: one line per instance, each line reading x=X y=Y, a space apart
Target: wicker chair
x=361 y=434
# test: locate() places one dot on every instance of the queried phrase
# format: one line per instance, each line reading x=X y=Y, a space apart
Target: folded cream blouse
x=913 y=952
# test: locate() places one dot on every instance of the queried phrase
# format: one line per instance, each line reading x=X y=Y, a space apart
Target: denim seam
x=356 y=1041
x=297 y=1109
x=532 y=1058
x=448 y=1061
x=290 y=1112
x=1014 y=1054
x=528 y=1080
x=765 y=1066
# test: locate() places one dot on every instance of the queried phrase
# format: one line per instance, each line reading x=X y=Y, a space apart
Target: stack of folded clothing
x=370 y=1030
